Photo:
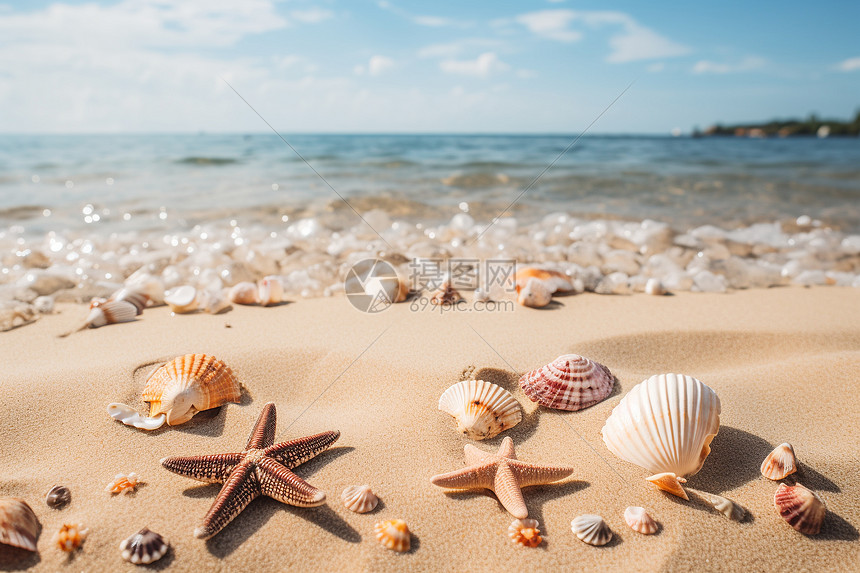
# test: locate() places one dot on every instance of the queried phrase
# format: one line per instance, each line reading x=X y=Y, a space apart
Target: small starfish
x=261 y=469
x=503 y=474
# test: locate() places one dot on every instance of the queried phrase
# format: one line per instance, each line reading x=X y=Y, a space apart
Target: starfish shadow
x=537 y=496
x=17 y=559
x=325 y=518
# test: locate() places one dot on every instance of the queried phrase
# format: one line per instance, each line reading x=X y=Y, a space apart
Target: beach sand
x=784 y=362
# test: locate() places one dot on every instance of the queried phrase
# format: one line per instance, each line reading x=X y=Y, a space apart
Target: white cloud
x=379 y=65
x=421 y=19
x=552 y=24
x=747 y=64
x=311 y=15
x=481 y=67
x=526 y=74
x=849 y=65
x=453 y=49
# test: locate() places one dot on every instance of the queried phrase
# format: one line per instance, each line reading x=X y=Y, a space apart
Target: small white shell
x=591 y=529
x=534 y=294
x=482 y=409
x=779 y=463
x=182 y=299
x=111 y=312
x=359 y=498
x=639 y=520
x=131 y=417
x=654 y=287
x=270 y=291
x=144 y=547
x=243 y=293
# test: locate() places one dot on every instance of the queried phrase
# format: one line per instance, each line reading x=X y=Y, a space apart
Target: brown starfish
x=503 y=474
x=260 y=469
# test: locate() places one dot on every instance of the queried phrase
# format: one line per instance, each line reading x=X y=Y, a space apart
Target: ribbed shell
x=800 y=507
x=639 y=520
x=525 y=532
x=19 y=526
x=670 y=483
x=570 y=382
x=70 y=536
x=535 y=294
x=144 y=547
x=111 y=312
x=135 y=296
x=58 y=497
x=482 y=409
x=359 y=498
x=393 y=534
x=779 y=463
x=665 y=424
x=189 y=384
x=591 y=529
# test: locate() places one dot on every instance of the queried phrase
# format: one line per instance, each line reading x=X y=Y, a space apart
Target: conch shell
x=482 y=409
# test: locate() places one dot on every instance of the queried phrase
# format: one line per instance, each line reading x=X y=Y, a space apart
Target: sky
x=386 y=66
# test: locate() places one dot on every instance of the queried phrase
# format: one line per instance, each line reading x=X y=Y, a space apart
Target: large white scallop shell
x=665 y=424
x=591 y=529
x=359 y=498
x=482 y=409
x=570 y=382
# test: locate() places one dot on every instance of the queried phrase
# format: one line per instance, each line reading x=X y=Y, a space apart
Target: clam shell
x=111 y=312
x=144 y=547
x=482 y=409
x=665 y=424
x=800 y=507
x=554 y=281
x=534 y=294
x=669 y=482
x=779 y=463
x=19 y=526
x=243 y=293
x=136 y=296
x=445 y=294
x=639 y=520
x=182 y=299
x=270 y=291
x=359 y=498
x=189 y=384
x=58 y=497
x=570 y=382
x=70 y=536
x=393 y=534
x=525 y=532
x=591 y=529
x=723 y=505
x=130 y=417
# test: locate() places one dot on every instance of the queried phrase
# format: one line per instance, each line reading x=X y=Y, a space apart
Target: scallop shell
x=182 y=299
x=779 y=463
x=554 y=281
x=800 y=507
x=144 y=547
x=639 y=520
x=570 y=382
x=591 y=529
x=393 y=534
x=111 y=312
x=534 y=294
x=122 y=483
x=723 y=505
x=359 y=498
x=189 y=384
x=270 y=291
x=58 y=497
x=243 y=293
x=482 y=409
x=131 y=417
x=445 y=294
x=135 y=296
x=669 y=482
x=70 y=536
x=525 y=532
x=19 y=526
x=665 y=424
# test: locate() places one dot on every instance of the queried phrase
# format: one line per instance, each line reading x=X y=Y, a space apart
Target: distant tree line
x=813 y=125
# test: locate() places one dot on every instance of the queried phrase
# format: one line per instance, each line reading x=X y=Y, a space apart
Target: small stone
x=706 y=281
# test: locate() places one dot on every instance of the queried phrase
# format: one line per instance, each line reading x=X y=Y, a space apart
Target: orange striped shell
x=189 y=384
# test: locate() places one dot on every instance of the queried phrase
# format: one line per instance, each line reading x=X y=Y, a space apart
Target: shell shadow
x=835 y=527
x=414 y=544
x=537 y=496
x=240 y=529
x=553 y=305
x=734 y=460
x=17 y=559
x=812 y=479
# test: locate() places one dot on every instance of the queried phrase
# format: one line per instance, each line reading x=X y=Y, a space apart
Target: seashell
x=97 y=301
x=136 y=296
x=243 y=293
x=70 y=536
x=270 y=291
x=654 y=287
x=669 y=482
x=570 y=382
x=639 y=520
x=19 y=526
x=554 y=281
x=144 y=547
x=723 y=505
x=393 y=534
x=665 y=424
x=534 y=294
x=182 y=299
x=591 y=529
x=800 y=507
x=130 y=417
x=149 y=284
x=482 y=409
x=111 y=312
x=189 y=384
x=58 y=497
x=359 y=498
x=779 y=463
x=124 y=483
x=525 y=532
x=445 y=294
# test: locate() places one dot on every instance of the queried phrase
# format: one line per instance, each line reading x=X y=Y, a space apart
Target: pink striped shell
x=570 y=382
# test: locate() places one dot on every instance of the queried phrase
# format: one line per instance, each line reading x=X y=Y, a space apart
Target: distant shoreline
x=809 y=127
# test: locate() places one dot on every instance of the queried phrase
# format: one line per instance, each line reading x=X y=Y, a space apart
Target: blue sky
x=400 y=66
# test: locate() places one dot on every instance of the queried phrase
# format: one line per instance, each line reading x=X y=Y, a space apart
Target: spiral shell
x=144 y=547
x=482 y=409
x=570 y=382
x=19 y=526
x=779 y=463
x=525 y=532
x=243 y=293
x=670 y=483
x=639 y=520
x=136 y=296
x=591 y=529
x=182 y=299
x=270 y=291
x=111 y=312
x=800 y=507
x=58 y=497
x=70 y=536
x=665 y=424
x=189 y=384
x=393 y=534
x=534 y=294
x=553 y=281
x=359 y=498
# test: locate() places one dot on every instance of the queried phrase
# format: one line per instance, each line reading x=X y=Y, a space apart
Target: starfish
x=260 y=469
x=503 y=474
